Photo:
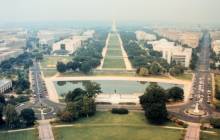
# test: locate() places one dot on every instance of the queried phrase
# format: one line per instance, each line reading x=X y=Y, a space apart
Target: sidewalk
x=192 y=132
x=45 y=130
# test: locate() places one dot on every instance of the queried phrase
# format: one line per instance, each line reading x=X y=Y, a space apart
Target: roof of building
x=4 y=81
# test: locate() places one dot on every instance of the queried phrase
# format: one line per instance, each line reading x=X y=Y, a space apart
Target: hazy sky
x=136 y=10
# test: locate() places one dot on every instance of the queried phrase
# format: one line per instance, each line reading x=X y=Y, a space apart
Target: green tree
x=74 y=109
x=85 y=106
x=1 y=113
x=75 y=65
x=85 y=67
x=39 y=56
x=12 y=119
x=92 y=106
x=28 y=116
x=61 y=67
x=143 y=71
x=176 y=70
x=66 y=116
x=2 y=99
x=69 y=65
x=175 y=93
x=75 y=95
x=155 y=69
x=153 y=103
x=92 y=88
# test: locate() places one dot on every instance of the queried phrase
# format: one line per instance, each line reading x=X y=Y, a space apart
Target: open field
x=107 y=126
x=114 y=41
x=187 y=76
x=206 y=136
x=114 y=57
x=51 y=61
x=117 y=63
x=20 y=135
x=49 y=72
x=114 y=52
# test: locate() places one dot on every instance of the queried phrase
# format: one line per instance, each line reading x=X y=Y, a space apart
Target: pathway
x=193 y=132
x=124 y=54
x=104 y=51
x=45 y=130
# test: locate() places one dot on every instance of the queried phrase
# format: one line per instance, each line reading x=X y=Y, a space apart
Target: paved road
x=44 y=128
x=40 y=96
x=202 y=86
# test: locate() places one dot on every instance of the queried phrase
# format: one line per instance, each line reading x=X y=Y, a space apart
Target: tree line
x=12 y=119
x=154 y=101
x=80 y=102
x=87 y=57
x=17 y=69
x=147 y=61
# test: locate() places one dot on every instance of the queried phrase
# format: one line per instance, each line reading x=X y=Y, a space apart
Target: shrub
x=217 y=95
x=215 y=122
x=120 y=111
x=127 y=103
x=217 y=106
x=179 y=122
x=21 y=99
x=103 y=103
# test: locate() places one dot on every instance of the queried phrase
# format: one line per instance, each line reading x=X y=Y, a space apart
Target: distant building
x=5 y=85
x=70 y=45
x=189 y=38
x=216 y=46
x=7 y=53
x=89 y=34
x=170 y=52
x=141 y=35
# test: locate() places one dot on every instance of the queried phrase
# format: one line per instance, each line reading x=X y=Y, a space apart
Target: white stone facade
x=5 y=85
x=216 y=46
x=7 y=53
x=73 y=43
x=171 y=52
x=70 y=45
x=141 y=35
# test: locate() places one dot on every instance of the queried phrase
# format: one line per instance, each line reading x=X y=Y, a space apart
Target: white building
x=73 y=43
x=5 y=85
x=89 y=33
x=170 y=52
x=141 y=35
x=216 y=46
x=7 y=53
x=70 y=45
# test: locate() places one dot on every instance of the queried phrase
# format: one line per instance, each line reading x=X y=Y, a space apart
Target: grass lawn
x=51 y=61
x=206 y=136
x=107 y=126
x=114 y=53
x=114 y=63
x=49 y=72
x=114 y=50
x=184 y=76
x=114 y=41
x=21 y=135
